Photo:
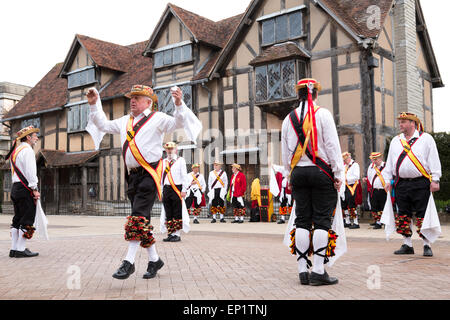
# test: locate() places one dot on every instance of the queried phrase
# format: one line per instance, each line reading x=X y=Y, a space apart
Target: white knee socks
x=133 y=246
x=21 y=241
x=407 y=241
x=14 y=238
x=302 y=244
x=152 y=254
x=320 y=240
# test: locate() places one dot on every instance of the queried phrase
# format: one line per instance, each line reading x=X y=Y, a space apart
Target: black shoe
x=354 y=226
x=12 y=253
x=377 y=226
x=235 y=221
x=280 y=222
x=304 y=278
x=213 y=221
x=316 y=279
x=25 y=254
x=223 y=220
x=196 y=221
x=405 y=249
x=175 y=239
x=427 y=251
x=373 y=224
x=124 y=271
x=346 y=225
x=241 y=221
x=168 y=238
x=153 y=268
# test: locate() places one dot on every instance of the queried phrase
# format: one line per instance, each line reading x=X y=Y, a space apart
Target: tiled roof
x=278 y=52
x=49 y=93
x=107 y=54
x=358 y=15
x=58 y=158
x=138 y=72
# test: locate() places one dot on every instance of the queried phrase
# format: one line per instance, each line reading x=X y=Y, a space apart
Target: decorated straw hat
x=304 y=83
x=412 y=117
x=140 y=90
x=375 y=155
x=195 y=165
x=26 y=131
x=170 y=145
x=346 y=155
x=235 y=165
x=218 y=162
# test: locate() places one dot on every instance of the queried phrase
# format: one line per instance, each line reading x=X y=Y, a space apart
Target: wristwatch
x=34 y=189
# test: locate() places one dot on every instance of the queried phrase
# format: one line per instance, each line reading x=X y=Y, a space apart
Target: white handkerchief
x=431 y=227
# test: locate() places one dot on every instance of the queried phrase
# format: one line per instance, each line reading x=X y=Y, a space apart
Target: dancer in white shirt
x=413 y=162
x=195 y=197
x=311 y=152
x=175 y=185
x=375 y=187
x=352 y=174
x=141 y=134
x=24 y=191
x=218 y=186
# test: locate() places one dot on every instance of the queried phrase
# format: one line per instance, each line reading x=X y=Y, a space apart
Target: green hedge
x=443 y=144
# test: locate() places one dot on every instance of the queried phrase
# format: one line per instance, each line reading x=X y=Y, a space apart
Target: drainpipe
x=208 y=166
x=373 y=63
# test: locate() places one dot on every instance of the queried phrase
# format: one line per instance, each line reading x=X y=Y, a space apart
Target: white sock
x=282 y=218
x=152 y=254
x=426 y=242
x=214 y=216
x=407 y=241
x=242 y=218
x=177 y=233
x=221 y=216
x=133 y=246
x=14 y=238
x=236 y=218
x=347 y=217
x=355 y=221
x=302 y=243
x=21 y=241
x=320 y=240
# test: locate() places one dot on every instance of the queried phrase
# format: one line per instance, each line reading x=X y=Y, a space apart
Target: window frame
x=82 y=105
x=159 y=55
x=81 y=71
x=277 y=15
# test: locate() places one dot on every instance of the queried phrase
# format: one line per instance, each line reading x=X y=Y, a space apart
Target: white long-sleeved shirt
x=149 y=139
x=201 y=180
x=424 y=149
x=179 y=172
x=371 y=173
x=26 y=163
x=353 y=173
x=212 y=177
x=329 y=148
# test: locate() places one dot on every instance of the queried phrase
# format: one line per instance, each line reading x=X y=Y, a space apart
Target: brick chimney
x=409 y=93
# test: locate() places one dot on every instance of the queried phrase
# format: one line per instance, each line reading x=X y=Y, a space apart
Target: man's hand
x=337 y=184
x=388 y=188
x=434 y=187
x=177 y=95
x=92 y=97
x=183 y=194
x=36 y=195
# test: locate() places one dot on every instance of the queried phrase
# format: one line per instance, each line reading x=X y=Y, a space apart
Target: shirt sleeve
x=98 y=118
x=183 y=117
x=30 y=170
x=332 y=145
x=433 y=160
x=286 y=152
x=184 y=174
x=388 y=170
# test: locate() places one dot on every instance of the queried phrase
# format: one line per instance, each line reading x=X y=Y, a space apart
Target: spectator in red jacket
x=238 y=186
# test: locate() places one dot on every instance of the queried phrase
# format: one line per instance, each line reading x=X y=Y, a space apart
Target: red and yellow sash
x=380 y=176
x=156 y=174
x=310 y=130
x=14 y=156
x=197 y=182
x=414 y=160
x=218 y=178
x=353 y=187
x=172 y=183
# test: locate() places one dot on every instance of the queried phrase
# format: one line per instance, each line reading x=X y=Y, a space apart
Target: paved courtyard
x=215 y=262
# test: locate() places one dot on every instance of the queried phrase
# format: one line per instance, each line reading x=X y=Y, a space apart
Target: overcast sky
x=37 y=34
